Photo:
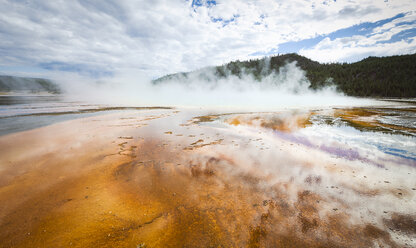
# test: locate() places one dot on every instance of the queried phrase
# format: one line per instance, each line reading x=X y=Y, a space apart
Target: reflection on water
x=14 y=124
x=28 y=99
x=198 y=178
x=32 y=105
x=354 y=133
x=20 y=113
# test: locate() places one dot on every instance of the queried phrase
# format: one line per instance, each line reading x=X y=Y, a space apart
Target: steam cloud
x=286 y=89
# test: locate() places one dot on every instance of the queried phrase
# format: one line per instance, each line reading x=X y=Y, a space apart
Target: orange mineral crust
x=154 y=179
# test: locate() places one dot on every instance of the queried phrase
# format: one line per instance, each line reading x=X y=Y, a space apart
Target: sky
x=103 y=38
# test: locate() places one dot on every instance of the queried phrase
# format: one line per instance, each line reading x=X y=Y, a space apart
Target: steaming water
x=358 y=155
x=290 y=146
x=366 y=166
x=19 y=113
x=289 y=88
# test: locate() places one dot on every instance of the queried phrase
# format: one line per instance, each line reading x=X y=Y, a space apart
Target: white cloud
x=165 y=36
x=329 y=51
x=378 y=43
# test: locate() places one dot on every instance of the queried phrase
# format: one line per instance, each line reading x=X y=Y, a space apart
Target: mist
x=289 y=88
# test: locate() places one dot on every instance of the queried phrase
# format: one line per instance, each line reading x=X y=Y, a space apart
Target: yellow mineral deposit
x=104 y=181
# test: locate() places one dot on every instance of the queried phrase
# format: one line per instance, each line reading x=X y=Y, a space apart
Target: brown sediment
x=360 y=118
x=402 y=223
x=276 y=121
x=367 y=119
x=125 y=137
x=76 y=184
x=205 y=118
x=407 y=109
x=196 y=142
x=199 y=143
x=92 y=110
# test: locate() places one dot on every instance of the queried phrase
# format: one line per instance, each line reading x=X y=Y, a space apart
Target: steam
x=204 y=88
x=343 y=183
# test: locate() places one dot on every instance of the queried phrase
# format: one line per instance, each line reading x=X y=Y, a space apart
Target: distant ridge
x=393 y=76
x=26 y=84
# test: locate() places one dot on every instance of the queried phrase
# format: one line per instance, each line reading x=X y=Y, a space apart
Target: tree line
x=393 y=76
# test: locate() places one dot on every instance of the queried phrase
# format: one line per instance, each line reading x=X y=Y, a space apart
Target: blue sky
x=365 y=29
x=99 y=39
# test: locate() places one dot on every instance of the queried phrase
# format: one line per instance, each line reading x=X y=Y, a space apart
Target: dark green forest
x=393 y=76
x=34 y=85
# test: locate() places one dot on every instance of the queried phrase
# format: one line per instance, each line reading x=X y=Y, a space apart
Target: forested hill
x=393 y=76
x=32 y=85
